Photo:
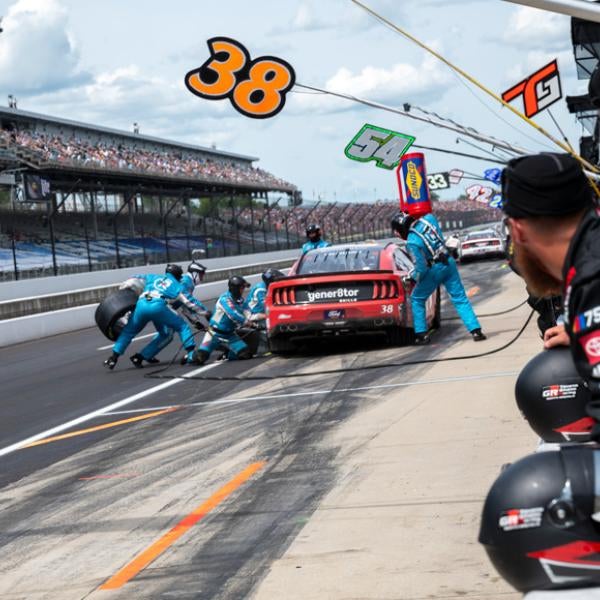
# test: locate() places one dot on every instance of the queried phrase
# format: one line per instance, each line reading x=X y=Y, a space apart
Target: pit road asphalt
x=235 y=468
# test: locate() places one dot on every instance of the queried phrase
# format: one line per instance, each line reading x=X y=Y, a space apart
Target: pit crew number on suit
x=383 y=146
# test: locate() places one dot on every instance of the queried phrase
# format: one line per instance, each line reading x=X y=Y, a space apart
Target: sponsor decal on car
x=340 y=293
x=563 y=391
x=521 y=518
x=335 y=314
x=591 y=346
x=284 y=316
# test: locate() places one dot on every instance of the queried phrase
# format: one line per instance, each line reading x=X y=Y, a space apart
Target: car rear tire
x=112 y=313
x=400 y=336
x=437 y=317
x=281 y=345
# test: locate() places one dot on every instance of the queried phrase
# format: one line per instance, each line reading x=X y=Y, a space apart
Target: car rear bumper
x=482 y=252
x=334 y=328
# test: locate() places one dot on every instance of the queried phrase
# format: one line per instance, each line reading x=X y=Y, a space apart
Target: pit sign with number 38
x=383 y=146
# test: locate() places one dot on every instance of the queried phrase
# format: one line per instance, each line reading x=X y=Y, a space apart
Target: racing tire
x=437 y=317
x=281 y=345
x=113 y=312
x=251 y=338
x=401 y=336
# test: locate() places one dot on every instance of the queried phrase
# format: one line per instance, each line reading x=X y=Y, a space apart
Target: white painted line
x=139 y=337
x=101 y=411
x=324 y=392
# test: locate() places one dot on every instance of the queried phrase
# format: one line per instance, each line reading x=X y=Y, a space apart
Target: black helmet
x=174 y=270
x=401 y=223
x=236 y=285
x=196 y=270
x=314 y=228
x=538 y=522
x=271 y=275
x=552 y=397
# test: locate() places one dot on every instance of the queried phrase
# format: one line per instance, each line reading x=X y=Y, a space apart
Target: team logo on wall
x=256 y=88
x=540 y=90
x=383 y=146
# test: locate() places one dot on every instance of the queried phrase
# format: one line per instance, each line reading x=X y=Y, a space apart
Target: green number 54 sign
x=384 y=146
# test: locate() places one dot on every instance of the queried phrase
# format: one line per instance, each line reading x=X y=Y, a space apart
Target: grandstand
x=78 y=197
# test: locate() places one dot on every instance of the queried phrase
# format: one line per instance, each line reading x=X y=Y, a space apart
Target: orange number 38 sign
x=256 y=88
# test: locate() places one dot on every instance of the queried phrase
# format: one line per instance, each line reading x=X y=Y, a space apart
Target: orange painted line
x=472 y=291
x=141 y=561
x=64 y=436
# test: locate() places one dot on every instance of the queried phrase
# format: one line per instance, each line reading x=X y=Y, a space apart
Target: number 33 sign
x=256 y=88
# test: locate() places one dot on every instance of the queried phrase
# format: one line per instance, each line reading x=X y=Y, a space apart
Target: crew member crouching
x=227 y=317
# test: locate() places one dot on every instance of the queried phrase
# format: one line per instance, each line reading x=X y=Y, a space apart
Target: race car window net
x=339 y=261
x=402 y=260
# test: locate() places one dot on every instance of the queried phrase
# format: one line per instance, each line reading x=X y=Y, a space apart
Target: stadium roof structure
x=15 y=113
x=71 y=175
x=585 y=36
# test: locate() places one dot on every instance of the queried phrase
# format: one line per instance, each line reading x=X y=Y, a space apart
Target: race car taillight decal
x=384 y=290
x=570 y=562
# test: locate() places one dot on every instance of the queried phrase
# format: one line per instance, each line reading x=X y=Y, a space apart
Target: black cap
x=546 y=184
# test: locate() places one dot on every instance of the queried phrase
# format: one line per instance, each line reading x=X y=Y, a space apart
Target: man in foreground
x=555 y=230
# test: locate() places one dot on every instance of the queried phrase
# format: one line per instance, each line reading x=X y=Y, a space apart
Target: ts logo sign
x=540 y=90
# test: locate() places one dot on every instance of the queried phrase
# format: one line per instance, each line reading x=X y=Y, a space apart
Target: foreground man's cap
x=546 y=184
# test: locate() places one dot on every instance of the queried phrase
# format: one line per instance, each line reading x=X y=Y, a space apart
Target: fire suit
x=155 y=304
x=164 y=335
x=227 y=316
x=434 y=267
x=314 y=245
x=581 y=298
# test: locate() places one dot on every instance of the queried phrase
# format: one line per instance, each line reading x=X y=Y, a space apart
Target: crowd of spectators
x=78 y=152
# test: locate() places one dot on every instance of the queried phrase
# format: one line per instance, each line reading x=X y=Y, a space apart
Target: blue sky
x=116 y=62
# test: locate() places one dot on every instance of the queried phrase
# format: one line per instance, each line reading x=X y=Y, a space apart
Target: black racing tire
x=251 y=337
x=281 y=345
x=437 y=317
x=401 y=336
x=112 y=313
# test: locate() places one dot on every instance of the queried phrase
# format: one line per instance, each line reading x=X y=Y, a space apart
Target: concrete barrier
x=27 y=306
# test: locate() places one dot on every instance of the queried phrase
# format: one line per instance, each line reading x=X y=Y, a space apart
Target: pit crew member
x=227 y=317
x=155 y=304
x=313 y=233
x=164 y=336
x=433 y=267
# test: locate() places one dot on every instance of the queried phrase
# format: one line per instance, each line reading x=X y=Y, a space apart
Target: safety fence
x=40 y=243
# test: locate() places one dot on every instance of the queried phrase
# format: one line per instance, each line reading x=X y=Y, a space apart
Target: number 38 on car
x=349 y=289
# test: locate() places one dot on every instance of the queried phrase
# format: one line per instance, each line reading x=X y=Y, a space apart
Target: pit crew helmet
x=174 y=270
x=538 y=524
x=552 y=397
x=401 y=223
x=313 y=229
x=236 y=285
x=197 y=271
x=271 y=275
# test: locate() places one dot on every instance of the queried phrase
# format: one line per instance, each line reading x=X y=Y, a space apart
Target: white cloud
x=402 y=82
x=127 y=94
x=534 y=29
x=535 y=60
x=37 y=53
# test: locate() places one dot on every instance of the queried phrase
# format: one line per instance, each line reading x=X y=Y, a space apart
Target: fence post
x=51 y=230
x=252 y=224
x=87 y=242
x=14 y=253
x=143 y=231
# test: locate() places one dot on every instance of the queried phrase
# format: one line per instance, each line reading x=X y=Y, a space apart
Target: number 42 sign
x=384 y=146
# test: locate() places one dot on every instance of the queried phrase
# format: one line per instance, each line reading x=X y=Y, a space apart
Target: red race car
x=348 y=289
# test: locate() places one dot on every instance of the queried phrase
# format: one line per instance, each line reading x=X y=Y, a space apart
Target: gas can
x=412 y=178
